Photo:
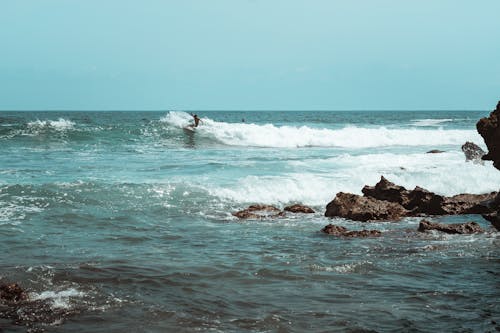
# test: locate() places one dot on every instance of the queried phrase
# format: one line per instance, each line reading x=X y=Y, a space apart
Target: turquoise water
x=123 y=219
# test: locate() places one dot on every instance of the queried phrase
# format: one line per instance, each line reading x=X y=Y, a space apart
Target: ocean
x=122 y=222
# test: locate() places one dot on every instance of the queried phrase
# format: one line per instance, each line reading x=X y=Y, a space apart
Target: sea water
x=123 y=220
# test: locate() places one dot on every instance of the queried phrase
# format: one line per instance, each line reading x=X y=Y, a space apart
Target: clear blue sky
x=249 y=54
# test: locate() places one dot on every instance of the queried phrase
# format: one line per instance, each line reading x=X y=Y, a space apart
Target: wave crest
x=272 y=136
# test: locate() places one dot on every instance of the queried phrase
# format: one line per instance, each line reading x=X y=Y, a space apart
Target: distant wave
x=269 y=135
x=429 y=122
x=59 y=125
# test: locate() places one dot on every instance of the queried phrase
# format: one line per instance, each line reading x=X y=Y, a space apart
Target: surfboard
x=189 y=128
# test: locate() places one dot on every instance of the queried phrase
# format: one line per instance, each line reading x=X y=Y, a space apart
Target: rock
x=358 y=208
x=435 y=151
x=456 y=228
x=258 y=212
x=494 y=219
x=12 y=292
x=420 y=201
x=386 y=190
x=340 y=231
x=470 y=203
x=299 y=209
x=489 y=129
x=473 y=152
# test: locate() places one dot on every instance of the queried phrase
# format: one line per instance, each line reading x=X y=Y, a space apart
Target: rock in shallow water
x=358 y=208
x=258 y=212
x=473 y=152
x=456 y=228
x=340 y=231
x=297 y=208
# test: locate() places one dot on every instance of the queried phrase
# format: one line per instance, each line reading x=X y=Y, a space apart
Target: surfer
x=196 y=120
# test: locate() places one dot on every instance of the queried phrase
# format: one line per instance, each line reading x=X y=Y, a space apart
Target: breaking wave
x=269 y=135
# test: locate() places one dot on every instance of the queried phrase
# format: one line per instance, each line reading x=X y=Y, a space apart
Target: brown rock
x=386 y=190
x=421 y=201
x=435 y=151
x=259 y=211
x=470 y=203
x=456 y=228
x=358 y=208
x=340 y=231
x=489 y=129
x=299 y=209
x=12 y=292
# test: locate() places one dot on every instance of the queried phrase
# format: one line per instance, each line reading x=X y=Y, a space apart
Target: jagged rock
x=456 y=228
x=340 y=231
x=473 y=152
x=297 y=208
x=494 y=219
x=386 y=190
x=470 y=203
x=12 y=292
x=259 y=211
x=489 y=129
x=420 y=201
x=435 y=151
x=358 y=208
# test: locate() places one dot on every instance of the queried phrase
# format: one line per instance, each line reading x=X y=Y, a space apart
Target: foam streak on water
x=121 y=222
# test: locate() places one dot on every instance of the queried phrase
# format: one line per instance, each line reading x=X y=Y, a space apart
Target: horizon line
x=237 y=110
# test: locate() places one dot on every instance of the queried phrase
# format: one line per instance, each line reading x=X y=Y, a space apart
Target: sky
x=249 y=55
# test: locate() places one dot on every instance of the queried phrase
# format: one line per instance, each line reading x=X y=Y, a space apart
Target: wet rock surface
x=35 y=315
x=358 y=208
x=489 y=129
x=298 y=208
x=388 y=201
x=340 y=231
x=473 y=152
x=258 y=212
x=456 y=228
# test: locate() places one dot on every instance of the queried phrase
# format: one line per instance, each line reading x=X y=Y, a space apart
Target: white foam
x=429 y=122
x=59 y=299
x=446 y=174
x=268 y=135
x=59 y=125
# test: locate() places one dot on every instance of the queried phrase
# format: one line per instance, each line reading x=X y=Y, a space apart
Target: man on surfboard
x=196 y=120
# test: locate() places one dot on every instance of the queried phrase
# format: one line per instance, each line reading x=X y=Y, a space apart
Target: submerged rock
x=435 y=151
x=258 y=212
x=297 y=208
x=473 y=152
x=358 y=208
x=456 y=228
x=489 y=129
x=12 y=292
x=340 y=231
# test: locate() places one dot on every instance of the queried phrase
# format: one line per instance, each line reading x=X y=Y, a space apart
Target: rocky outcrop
x=435 y=151
x=388 y=201
x=12 y=292
x=358 y=208
x=489 y=129
x=456 y=228
x=258 y=212
x=473 y=152
x=340 y=231
x=297 y=208
x=469 y=203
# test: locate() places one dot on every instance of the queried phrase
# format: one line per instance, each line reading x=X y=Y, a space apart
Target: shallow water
x=123 y=220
